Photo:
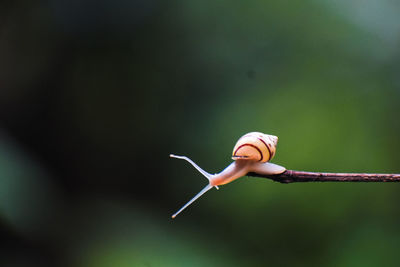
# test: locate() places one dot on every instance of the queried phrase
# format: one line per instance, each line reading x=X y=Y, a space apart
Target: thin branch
x=290 y=176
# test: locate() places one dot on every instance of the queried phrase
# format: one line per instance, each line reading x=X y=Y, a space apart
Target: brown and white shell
x=255 y=146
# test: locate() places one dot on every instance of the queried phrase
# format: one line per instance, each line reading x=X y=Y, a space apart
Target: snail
x=250 y=154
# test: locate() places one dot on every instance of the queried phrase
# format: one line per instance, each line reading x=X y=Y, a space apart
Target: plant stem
x=290 y=176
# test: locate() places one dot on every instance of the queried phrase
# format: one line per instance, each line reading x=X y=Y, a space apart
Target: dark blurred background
x=94 y=96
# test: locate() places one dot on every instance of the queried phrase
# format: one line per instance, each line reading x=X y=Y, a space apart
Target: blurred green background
x=94 y=96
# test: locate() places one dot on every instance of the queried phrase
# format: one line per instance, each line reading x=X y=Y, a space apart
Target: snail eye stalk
x=205 y=189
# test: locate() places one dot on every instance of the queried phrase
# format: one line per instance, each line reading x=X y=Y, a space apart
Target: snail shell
x=255 y=146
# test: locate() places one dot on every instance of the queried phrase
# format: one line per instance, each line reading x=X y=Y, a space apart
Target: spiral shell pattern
x=255 y=146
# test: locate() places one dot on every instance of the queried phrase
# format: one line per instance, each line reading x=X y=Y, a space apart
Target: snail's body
x=251 y=154
x=241 y=167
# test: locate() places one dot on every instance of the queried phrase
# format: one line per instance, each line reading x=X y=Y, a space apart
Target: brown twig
x=290 y=176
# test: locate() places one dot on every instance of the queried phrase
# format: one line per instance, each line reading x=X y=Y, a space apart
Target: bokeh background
x=94 y=96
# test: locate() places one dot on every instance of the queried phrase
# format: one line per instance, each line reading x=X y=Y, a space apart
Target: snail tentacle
x=206 y=174
x=205 y=189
